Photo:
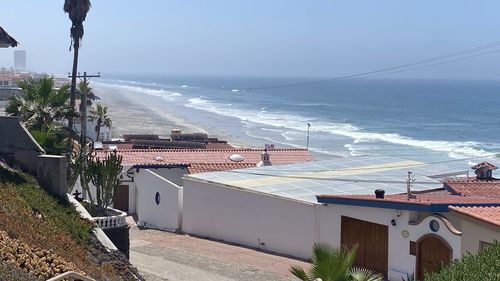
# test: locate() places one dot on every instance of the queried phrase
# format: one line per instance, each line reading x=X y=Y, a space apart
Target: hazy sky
x=257 y=37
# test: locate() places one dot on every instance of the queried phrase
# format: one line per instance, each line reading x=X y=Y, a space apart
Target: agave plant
x=331 y=264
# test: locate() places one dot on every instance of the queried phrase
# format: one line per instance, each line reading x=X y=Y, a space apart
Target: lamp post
x=307 y=140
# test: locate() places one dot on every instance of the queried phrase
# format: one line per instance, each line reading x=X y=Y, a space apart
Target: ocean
x=397 y=117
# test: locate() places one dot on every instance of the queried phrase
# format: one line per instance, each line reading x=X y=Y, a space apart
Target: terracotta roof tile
x=484 y=213
x=484 y=164
x=209 y=156
x=214 y=167
x=474 y=187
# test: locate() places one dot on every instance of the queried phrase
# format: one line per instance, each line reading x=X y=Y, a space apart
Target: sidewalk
x=161 y=255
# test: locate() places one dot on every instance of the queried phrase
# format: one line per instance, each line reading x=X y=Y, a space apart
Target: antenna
x=307 y=140
x=409 y=183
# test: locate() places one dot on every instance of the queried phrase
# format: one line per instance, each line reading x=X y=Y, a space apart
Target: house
x=287 y=209
x=152 y=182
x=406 y=233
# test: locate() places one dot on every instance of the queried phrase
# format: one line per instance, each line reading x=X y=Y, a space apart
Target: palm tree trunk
x=76 y=47
x=83 y=114
x=98 y=130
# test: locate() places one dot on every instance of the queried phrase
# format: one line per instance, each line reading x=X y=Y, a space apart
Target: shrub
x=484 y=266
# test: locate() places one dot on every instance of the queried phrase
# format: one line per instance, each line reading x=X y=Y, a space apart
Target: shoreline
x=132 y=112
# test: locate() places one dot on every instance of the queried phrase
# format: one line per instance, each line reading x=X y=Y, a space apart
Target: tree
x=331 y=264
x=77 y=11
x=53 y=139
x=41 y=103
x=102 y=119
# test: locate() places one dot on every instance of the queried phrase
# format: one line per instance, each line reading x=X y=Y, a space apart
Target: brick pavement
x=161 y=255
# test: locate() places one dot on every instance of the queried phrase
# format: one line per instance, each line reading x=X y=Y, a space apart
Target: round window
x=434 y=225
x=157 y=198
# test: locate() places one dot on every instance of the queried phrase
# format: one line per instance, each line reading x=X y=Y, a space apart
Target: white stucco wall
x=248 y=218
x=400 y=261
x=165 y=215
x=172 y=174
x=473 y=233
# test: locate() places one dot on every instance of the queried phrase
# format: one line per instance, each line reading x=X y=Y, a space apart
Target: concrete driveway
x=161 y=255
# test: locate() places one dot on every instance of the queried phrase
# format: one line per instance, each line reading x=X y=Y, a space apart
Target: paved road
x=163 y=255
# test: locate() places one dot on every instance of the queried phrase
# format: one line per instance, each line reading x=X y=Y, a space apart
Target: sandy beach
x=132 y=112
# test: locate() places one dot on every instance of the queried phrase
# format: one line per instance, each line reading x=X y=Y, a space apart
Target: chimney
x=265 y=159
x=379 y=193
x=484 y=170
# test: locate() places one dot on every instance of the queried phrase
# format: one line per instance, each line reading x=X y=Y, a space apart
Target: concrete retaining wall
x=18 y=146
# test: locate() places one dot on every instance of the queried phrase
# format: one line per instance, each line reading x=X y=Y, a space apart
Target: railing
x=114 y=218
x=70 y=275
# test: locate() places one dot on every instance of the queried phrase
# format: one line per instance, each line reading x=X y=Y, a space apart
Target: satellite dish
x=236 y=158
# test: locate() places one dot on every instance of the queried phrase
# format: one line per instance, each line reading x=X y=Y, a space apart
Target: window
x=6 y=83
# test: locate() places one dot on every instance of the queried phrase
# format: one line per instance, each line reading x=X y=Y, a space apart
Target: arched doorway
x=432 y=253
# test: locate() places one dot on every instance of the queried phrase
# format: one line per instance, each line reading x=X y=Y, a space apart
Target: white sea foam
x=454 y=149
x=168 y=95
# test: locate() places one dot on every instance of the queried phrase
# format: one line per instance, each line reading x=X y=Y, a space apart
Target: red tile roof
x=474 y=187
x=484 y=164
x=484 y=213
x=420 y=199
x=214 y=167
x=208 y=156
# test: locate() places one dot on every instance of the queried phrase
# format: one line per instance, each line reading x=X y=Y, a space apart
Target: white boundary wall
x=165 y=215
x=244 y=217
x=291 y=227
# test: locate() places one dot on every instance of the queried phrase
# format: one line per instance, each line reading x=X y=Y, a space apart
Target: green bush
x=485 y=266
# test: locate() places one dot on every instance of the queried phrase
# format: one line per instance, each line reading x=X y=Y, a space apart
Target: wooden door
x=371 y=240
x=433 y=252
x=121 y=198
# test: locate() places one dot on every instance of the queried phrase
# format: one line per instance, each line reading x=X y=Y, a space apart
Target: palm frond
x=298 y=272
x=363 y=274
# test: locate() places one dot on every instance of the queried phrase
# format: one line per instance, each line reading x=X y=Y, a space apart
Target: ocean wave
x=169 y=95
x=454 y=149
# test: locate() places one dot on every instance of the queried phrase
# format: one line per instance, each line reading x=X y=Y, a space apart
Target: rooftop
x=430 y=202
x=487 y=214
x=133 y=157
x=342 y=176
x=486 y=188
x=6 y=40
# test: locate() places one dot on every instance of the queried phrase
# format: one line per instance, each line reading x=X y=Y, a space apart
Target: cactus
x=102 y=173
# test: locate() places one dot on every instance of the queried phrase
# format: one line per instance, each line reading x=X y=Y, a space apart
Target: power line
x=386 y=69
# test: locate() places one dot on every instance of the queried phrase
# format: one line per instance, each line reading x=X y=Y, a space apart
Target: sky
x=320 y=38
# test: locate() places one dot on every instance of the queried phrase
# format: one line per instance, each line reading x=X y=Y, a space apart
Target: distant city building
x=20 y=59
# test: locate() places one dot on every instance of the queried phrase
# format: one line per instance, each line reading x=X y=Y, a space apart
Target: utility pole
x=83 y=107
x=307 y=140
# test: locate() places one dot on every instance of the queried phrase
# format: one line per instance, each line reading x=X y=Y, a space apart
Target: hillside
x=42 y=236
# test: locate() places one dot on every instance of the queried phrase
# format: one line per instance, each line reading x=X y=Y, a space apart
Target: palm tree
x=41 y=104
x=77 y=11
x=331 y=264
x=102 y=119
